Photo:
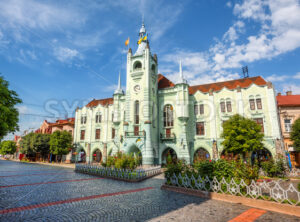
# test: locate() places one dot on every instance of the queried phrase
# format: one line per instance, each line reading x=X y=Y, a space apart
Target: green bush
x=299 y=187
x=219 y=169
x=123 y=161
x=273 y=168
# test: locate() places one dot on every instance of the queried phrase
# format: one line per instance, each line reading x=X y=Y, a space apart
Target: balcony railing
x=167 y=136
x=135 y=134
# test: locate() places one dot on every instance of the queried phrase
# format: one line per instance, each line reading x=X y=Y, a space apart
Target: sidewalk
x=67 y=165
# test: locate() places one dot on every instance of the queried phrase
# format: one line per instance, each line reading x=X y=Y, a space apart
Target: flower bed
x=119 y=174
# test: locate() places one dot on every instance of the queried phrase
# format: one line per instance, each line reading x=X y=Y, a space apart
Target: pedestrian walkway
x=49 y=193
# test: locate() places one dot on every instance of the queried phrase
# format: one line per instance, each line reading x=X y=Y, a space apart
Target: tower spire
x=181 y=79
x=119 y=89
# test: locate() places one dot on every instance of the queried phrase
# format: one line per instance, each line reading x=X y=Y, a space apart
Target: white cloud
x=229 y=4
x=291 y=87
x=277 y=78
x=64 y=54
x=37 y=14
x=297 y=76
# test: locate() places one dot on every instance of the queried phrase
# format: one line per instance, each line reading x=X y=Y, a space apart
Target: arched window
x=168 y=116
x=137 y=65
x=153 y=68
x=136 y=112
x=98 y=118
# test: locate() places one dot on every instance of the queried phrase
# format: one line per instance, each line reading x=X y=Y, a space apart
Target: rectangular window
x=260 y=121
x=112 y=117
x=196 y=109
x=200 y=128
x=168 y=133
x=97 y=118
x=258 y=104
x=228 y=105
x=252 y=104
x=288 y=125
x=82 y=134
x=97 y=134
x=201 y=109
x=136 y=130
x=113 y=133
x=222 y=104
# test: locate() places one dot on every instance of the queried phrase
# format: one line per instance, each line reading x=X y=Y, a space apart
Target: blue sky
x=60 y=54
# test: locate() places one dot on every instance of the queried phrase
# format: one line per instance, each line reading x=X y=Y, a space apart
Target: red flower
x=209 y=160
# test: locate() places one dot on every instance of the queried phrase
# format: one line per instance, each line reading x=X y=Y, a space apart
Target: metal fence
x=273 y=191
x=137 y=174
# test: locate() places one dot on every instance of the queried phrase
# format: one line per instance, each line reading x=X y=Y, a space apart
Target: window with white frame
x=83 y=119
x=98 y=118
x=199 y=109
x=255 y=103
x=228 y=106
x=288 y=125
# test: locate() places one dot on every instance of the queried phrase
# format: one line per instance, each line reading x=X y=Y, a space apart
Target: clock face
x=137 y=88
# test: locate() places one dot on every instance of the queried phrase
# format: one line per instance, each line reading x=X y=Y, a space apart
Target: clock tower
x=141 y=98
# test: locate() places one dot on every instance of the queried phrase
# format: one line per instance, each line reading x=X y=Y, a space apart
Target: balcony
x=135 y=134
x=167 y=136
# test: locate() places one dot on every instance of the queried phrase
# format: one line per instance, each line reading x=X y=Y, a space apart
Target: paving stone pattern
x=147 y=205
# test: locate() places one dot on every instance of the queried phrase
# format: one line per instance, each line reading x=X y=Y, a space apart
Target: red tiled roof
x=163 y=82
x=103 y=102
x=63 y=122
x=231 y=84
x=290 y=100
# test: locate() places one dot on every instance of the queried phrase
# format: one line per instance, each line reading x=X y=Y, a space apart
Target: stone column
x=104 y=152
x=148 y=157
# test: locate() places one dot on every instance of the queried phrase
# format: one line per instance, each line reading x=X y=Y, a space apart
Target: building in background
x=156 y=117
x=289 y=111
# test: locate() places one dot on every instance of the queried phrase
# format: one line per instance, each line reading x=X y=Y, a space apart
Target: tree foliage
x=295 y=134
x=60 y=142
x=41 y=143
x=241 y=135
x=9 y=115
x=27 y=144
x=8 y=147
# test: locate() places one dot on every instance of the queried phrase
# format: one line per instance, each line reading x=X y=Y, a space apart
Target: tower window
x=153 y=68
x=136 y=112
x=137 y=65
x=168 y=116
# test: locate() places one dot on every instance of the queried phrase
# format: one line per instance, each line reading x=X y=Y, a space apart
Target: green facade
x=149 y=136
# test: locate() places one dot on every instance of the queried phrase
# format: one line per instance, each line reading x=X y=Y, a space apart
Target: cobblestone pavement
x=48 y=193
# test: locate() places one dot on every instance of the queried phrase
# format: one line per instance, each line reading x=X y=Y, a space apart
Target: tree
x=9 y=115
x=34 y=143
x=27 y=145
x=8 y=147
x=60 y=142
x=241 y=135
x=295 y=135
x=41 y=143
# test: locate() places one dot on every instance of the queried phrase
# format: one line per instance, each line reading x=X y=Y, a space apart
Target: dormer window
x=137 y=65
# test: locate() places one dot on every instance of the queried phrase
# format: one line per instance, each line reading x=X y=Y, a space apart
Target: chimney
x=289 y=93
x=278 y=94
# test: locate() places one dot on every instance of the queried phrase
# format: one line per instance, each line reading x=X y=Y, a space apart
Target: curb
x=71 y=166
x=121 y=179
x=262 y=204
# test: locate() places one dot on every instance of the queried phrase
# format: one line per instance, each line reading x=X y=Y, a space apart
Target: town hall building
x=155 y=116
